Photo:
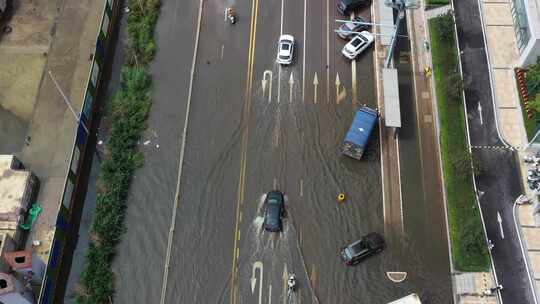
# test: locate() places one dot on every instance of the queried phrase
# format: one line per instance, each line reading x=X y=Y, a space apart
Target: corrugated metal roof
x=392 y=114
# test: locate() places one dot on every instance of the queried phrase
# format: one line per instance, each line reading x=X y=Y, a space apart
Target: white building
x=526 y=18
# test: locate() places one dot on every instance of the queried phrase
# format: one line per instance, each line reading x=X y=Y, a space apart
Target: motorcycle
x=231 y=15
x=291 y=283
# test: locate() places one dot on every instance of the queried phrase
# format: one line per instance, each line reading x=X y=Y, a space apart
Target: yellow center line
x=243 y=151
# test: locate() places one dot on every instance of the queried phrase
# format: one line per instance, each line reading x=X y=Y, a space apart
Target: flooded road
x=245 y=137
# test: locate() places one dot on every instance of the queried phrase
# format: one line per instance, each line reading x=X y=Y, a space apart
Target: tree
x=473 y=235
x=445 y=25
x=454 y=86
x=532 y=78
x=535 y=103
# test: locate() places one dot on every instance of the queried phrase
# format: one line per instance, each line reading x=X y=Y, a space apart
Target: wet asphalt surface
x=239 y=145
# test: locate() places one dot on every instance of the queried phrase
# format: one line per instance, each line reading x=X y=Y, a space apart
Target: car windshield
x=358 y=247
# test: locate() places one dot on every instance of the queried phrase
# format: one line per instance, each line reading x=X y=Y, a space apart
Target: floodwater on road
x=234 y=155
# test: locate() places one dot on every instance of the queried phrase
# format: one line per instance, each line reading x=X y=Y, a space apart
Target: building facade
x=526 y=19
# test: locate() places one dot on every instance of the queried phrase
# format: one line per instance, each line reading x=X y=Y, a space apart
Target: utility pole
x=68 y=103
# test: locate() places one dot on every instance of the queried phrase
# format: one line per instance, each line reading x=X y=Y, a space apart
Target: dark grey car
x=367 y=246
x=274 y=208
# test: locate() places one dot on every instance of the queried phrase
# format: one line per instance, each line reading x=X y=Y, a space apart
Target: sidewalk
x=503 y=57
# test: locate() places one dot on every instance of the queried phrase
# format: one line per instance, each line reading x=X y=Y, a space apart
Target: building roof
x=15 y=191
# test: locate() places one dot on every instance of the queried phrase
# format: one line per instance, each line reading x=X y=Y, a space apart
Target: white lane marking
x=301 y=187
x=222 y=48
x=354 y=89
x=279 y=85
x=400 y=191
x=281 y=23
x=480 y=112
x=285 y=276
x=353 y=72
x=499 y=220
x=304 y=56
x=270 y=294
x=315 y=86
x=268 y=81
x=291 y=85
x=277 y=129
x=328 y=51
x=181 y=161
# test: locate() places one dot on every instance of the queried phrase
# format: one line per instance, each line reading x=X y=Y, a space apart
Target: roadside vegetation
x=437 y=2
x=532 y=83
x=469 y=250
x=127 y=114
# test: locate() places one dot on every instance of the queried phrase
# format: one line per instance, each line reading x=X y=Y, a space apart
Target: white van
x=410 y=299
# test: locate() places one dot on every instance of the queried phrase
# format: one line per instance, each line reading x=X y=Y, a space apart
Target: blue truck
x=357 y=137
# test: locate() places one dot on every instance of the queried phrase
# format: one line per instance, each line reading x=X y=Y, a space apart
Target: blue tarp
x=363 y=123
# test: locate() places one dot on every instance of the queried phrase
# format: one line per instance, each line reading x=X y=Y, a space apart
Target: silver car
x=357 y=45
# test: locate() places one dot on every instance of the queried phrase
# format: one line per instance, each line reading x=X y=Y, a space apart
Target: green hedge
x=469 y=251
x=127 y=114
x=438 y=2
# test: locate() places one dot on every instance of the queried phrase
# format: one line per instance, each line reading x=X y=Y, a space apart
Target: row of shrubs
x=469 y=251
x=127 y=114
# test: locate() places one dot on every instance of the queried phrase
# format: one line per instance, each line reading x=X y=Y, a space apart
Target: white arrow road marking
x=315 y=85
x=291 y=83
x=340 y=94
x=268 y=81
x=256 y=265
x=480 y=112
x=499 y=219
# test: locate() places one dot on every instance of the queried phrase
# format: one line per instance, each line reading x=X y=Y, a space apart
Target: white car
x=357 y=45
x=285 y=49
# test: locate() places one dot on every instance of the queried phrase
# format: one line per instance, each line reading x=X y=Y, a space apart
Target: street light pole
x=68 y=103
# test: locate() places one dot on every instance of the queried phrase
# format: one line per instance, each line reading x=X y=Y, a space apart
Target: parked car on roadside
x=346 y=28
x=358 y=44
x=345 y=7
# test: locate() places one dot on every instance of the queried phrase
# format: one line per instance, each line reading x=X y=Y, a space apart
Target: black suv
x=345 y=7
x=367 y=246
x=274 y=208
